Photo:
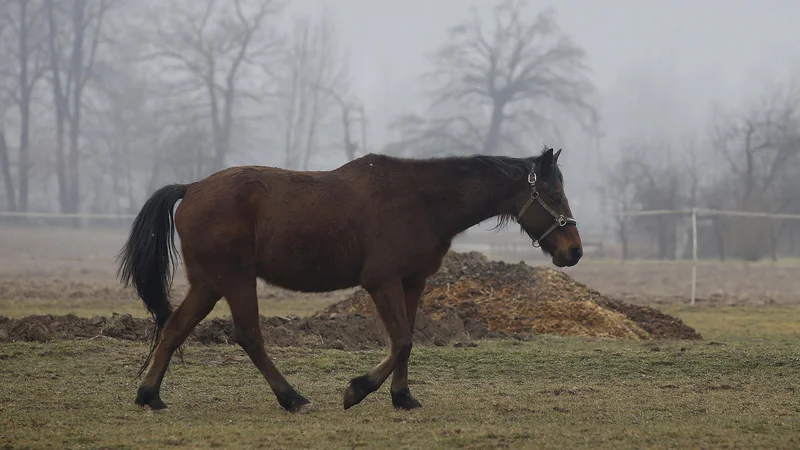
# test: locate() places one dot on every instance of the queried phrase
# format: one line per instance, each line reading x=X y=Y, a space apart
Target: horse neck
x=472 y=200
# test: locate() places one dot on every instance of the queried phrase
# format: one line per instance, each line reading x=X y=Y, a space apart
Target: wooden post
x=694 y=254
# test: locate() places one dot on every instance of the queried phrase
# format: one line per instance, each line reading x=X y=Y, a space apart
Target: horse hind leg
x=243 y=302
x=199 y=302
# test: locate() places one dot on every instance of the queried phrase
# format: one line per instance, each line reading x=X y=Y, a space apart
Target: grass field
x=737 y=388
x=729 y=391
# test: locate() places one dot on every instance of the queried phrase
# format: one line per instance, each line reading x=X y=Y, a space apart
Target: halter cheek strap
x=560 y=219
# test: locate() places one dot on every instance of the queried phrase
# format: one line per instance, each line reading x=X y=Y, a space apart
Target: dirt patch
x=469 y=298
x=494 y=298
x=351 y=332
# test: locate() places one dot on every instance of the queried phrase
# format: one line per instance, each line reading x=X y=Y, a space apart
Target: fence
x=493 y=244
x=694 y=213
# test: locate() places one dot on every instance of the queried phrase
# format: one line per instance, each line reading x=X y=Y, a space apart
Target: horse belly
x=307 y=270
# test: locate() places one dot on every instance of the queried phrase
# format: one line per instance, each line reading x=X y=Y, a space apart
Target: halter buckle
x=562 y=221
x=532 y=179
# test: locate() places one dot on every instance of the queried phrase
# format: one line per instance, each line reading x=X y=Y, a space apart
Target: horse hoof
x=305 y=408
x=404 y=400
x=150 y=397
x=358 y=389
x=157 y=404
x=294 y=402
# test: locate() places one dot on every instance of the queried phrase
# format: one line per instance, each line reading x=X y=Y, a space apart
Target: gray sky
x=692 y=52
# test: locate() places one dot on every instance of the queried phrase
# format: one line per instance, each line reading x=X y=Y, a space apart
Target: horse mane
x=511 y=167
x=515 y=169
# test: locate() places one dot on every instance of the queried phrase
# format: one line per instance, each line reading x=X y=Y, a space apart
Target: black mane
x=515 y=168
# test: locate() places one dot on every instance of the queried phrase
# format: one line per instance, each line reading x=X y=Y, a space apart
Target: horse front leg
x=401 y=394
x=390 y=301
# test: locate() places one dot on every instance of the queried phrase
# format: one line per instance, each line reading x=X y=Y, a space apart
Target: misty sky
x=692 y=52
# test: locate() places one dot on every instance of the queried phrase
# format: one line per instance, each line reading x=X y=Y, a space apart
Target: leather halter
x=560 y=219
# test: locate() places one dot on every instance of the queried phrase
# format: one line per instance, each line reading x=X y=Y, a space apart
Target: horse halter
x=560 y=219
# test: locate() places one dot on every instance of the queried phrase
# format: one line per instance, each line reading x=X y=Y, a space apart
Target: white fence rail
x=47 y=215
x=695 y=212
x=484 y=247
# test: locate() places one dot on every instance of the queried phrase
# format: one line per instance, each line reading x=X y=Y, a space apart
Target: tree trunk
x=623 y=239
x=24 y=153
x=719 y=233
x=5 y=166
x=625 y=248
x=61 y=172
x=309 y=144
x=349 y=146
x=73 y=197
x=76 y=63
x=492 y=143
x=218 y=160
x=24 y=110
x=312 y=130
x=773 y=242
x=61 y=108
x=224 y=139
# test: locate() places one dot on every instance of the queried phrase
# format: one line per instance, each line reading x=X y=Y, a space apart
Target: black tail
x=147 y=259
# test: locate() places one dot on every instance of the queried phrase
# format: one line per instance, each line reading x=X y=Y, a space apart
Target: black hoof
x=358 y=389
x=149 y=396
x=294 y=402
x=404 y=400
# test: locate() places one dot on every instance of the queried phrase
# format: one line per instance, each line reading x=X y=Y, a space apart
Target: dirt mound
x=496 y=298
x=351 y=332
x=43 y=328
x=469 y=298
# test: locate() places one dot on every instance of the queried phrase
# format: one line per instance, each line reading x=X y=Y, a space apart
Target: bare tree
x=122 y=126
x=660 y=187
x=761 y=147
x=316 y=79
x=74 y=39
x=5 y=167
x=209 y=45
x=618 y=194
x=345 y=113
x=518 y=70
x=648 y=178
x=24 y=22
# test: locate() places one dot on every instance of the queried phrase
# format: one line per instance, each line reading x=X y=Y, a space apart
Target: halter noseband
x=561 y=220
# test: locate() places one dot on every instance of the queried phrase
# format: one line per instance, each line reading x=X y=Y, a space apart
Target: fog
x=657 y=105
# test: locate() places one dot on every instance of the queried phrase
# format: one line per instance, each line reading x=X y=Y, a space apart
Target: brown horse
x=378 y=222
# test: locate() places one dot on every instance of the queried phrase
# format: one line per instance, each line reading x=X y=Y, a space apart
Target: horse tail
x=147 y=258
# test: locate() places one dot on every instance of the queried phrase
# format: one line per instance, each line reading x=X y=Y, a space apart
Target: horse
x=379 y=222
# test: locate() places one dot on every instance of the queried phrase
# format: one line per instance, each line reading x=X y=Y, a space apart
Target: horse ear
x=556 y=155
x=546 y=163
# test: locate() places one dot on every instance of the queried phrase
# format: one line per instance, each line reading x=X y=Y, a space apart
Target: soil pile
x=469 y=298
x=494 y=298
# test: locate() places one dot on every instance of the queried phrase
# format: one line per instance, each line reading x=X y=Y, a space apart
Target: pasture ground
x=737 y=388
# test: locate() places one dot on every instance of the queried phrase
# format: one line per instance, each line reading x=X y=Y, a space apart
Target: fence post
x=694 y=254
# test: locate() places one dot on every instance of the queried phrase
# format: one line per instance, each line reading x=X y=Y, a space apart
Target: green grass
x=738 y=388
x=746 y=325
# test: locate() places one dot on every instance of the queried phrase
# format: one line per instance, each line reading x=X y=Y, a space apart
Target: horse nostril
x=576 y=253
